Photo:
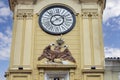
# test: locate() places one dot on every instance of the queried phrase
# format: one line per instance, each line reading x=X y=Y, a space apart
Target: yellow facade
x=84 y=40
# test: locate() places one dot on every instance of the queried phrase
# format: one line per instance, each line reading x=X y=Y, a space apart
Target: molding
x=13 y=3
x=20 y=71
x=17 y=71
x=25 y=13
x=112 y=62
x=56 y=66
x=97 y=66
x=93 y=71
x=89 y=13
x=102 y=3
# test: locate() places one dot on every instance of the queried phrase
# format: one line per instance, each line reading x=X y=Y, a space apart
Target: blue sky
x=111 y=32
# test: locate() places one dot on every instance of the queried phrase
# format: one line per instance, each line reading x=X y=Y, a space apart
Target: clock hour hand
x=57 y=18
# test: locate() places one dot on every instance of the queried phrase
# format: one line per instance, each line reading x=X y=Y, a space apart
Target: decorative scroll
x=24 y=13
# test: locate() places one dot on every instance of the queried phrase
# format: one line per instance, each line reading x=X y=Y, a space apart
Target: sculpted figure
x=51 y=55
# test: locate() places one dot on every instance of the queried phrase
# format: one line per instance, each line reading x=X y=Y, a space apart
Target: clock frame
x=57 y=20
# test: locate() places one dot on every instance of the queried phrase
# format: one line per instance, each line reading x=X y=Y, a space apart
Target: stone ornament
x=56 y=55
x=24 y=13
x=89 y=13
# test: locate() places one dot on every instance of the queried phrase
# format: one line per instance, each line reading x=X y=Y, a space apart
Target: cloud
x=2 y=20
x=5 y=12
x=2 y=4
x=112 y=52
x=112 y=9
x=5 y=43
x=113 y=24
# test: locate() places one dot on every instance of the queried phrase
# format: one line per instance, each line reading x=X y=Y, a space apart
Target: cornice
x=20 y=71
x=112 y=62
x=101 y=2
x=56 y=66
x=112 y=58
x=13 y=3
x=17 y=71
x=93 y=71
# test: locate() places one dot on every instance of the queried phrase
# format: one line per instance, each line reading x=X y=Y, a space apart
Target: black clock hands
x=57 y=20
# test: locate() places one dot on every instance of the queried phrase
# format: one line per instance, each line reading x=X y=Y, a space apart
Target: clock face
x=57 y=20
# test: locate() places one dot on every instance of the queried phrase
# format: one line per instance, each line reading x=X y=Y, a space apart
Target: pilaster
x=41 y=74
x=91 y=39
x=22 y=39
x=72 y=74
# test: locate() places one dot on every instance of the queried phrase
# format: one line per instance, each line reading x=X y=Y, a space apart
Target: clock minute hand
x=56 y=18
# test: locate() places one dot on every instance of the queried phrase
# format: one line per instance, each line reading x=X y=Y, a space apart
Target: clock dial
x=57 y=20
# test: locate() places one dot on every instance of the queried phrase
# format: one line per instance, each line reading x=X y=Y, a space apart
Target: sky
x=111 y=32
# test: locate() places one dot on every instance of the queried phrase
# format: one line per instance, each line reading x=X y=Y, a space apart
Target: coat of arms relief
x=57 y=53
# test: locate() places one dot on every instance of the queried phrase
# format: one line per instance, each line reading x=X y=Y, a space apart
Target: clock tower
x=57 y=40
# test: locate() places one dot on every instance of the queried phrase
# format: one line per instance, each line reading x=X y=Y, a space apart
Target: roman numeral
x=51 y=28
x=67 y=24
x=57 y=10
x=46 y=24
x=50 y=12
x=68 y=19
x=63 y=28
x=62 y=11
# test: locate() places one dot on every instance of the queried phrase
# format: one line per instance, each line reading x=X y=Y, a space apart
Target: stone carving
x=24 y=13
x=56 y=55
x=89 y=13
